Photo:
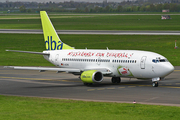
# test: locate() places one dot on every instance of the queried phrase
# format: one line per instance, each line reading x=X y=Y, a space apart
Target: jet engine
x=92 y=76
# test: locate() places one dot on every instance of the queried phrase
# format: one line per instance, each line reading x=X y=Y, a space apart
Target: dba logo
x=52 y=44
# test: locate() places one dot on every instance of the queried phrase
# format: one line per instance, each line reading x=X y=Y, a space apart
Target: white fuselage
x=122 y=63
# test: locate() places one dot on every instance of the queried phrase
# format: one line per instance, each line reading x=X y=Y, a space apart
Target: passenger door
x=142 y=63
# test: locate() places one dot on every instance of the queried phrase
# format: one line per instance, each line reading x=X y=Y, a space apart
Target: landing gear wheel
x=155 y=84
x=116 y=80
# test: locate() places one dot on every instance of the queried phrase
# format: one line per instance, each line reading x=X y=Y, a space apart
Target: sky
x=60 y=0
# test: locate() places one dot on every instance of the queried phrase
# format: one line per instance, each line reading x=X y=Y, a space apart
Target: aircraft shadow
x=94 y=85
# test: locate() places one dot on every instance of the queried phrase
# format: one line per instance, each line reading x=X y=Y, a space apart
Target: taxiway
x=93 y=32
x=67 y=86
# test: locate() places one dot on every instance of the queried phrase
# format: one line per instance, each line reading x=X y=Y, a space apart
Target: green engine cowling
x=92 y=76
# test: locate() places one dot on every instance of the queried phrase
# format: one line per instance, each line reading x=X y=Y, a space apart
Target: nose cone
x=163 y=69
x=168 y=68
x=172 y=68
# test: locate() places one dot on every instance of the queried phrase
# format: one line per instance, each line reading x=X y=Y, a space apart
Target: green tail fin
x=52 y=40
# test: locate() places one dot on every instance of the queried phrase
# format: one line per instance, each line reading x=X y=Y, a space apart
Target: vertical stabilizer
x=52 y=40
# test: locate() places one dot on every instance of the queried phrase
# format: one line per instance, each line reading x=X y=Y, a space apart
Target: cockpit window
x=163 y=60
x=159 y=60
x=155 y=61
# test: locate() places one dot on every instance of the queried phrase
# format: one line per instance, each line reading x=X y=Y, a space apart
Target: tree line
x=144 y=8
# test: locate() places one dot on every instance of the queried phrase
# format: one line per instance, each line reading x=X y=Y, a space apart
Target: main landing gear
x=116 y=80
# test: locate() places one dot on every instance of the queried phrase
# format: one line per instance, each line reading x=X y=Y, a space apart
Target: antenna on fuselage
x=107 y=48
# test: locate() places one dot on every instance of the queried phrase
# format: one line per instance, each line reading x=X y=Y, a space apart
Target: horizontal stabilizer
x=40 y=53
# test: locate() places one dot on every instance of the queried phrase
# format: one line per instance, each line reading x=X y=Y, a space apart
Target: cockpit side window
x=163 y=60
x=159 y=60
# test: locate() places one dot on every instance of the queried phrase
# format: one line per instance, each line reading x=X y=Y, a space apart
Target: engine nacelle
x=92 y=76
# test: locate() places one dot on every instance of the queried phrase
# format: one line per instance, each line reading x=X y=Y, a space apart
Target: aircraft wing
x=68 y=70
x=42 y=69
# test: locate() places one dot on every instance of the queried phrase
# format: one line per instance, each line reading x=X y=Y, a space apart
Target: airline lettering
x=118 y=55
x=84 y=76
x=53 y=45
x=81 y=54
x=100 y=54
x=89 y=54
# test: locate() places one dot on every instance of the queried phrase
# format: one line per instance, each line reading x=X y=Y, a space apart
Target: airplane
x=92 y=65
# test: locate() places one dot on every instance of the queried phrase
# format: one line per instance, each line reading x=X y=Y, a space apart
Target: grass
x=32 y=42
x=17 y=108
x=93 y=22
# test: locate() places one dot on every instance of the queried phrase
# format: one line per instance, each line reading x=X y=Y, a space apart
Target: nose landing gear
x=155 y=84
x=155 y=81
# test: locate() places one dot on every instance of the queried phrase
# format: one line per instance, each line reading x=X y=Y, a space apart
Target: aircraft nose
x=172 y=68
x=169 y=68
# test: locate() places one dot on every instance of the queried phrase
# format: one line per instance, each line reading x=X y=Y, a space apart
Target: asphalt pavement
x=67 y=86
